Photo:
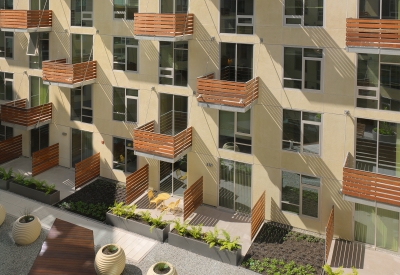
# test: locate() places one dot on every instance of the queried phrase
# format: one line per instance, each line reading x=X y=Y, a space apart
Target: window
x=173 y=177
x=300 y=194
x=6 y=4
x=378 y=82
x=126 y=54
x=379 y=9
x=302 y=68
x=39 y=92
x=81 y=146
x=124 y=157
x=6 y=86
x=39 y=42
x=125 y=9
x=82 y=13
x=301 y=132
x=6 y=132
x=81 y=104
x=174 y=6
x=235 y=131
x=237 y=16
x=40 y=138
x=236 y=62
x=125 y=104
x=40 y=4
x=173 y=68
x=304 y=12
x=6 y=44
x=82 y=48
x=173 y=114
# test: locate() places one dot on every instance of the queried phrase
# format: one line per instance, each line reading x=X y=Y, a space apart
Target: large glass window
x=39 y=4
x=39 y=91
x=236 y=62
x=82 y=48
x=301 y=132
x=173 y=114
x=126 y=54
x=379 y=9
x=173 y=177
x=304 y=12
x=174 y=6
x=235 y=131
x=173 y=69
x=235 y=186
x=40 y=138
x=82 y=146
x=81 y=104
x=82 y=13
x=302 y=68
x=6 y=132
x=125 y=104
x=6 y=44
x=125 y=9
x=6 y=4
x=124 y=157
x=300 y=194
x=237 y=16
x=378 y=82
x=6 y=86
x=39 y=43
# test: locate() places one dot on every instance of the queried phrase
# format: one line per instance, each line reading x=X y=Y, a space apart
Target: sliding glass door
x=173 y=177
x=39 y=138
x=82 y=146
x=173 y=114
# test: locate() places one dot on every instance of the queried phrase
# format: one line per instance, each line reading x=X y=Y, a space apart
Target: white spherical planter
x=112 y=264
x=171 y=272
x=2 y=214
x=26 y=232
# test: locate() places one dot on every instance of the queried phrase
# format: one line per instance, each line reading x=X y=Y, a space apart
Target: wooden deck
x=68 y=249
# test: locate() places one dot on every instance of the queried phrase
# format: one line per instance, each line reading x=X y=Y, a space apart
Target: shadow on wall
x=277 y=215
x=348 y=254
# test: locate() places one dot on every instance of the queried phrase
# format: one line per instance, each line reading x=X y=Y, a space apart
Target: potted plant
x=110 y=260
x=162 y=268
x=386 y=133
x=2 y=214
x=5 y=178
x=26 y=229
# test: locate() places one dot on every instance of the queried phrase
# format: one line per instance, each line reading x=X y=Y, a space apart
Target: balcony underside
x=26 y=128
x=41 y=29
x=152 y=155
x=371 y=50
x=223 y=107
x=165 y=38
x=71 y=86
x=371 y=203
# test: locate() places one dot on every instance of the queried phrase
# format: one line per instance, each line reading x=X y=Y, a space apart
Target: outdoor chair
x=152 y=199
x=173 y=206
x=180 y=176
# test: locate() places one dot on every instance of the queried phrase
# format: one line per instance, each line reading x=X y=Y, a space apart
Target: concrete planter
x=203 y=249
x=112 y=264
x=385 y=138
x=2 y=214
x=26 y=233
x=34 y=194
x=139 y=228
x=171 y=272
x=4 y=184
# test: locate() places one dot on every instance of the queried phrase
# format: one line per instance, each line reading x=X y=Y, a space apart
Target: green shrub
x=181 y=228
x=196 y=231
x=5 y=175
x=227 y=243
x=211 y=237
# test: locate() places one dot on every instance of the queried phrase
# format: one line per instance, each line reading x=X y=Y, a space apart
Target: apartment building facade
x=270 y=93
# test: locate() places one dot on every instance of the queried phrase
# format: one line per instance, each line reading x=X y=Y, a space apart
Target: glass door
x=173 y=114
x=173 y=177
x=82 y=48
x=236 y=62
x=81 y=146
x=39 y=138
x=174 y=6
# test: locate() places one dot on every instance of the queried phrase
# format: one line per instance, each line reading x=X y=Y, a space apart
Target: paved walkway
x=135 y=246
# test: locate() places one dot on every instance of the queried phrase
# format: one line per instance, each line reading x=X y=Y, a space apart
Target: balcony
x=163 y=27
x=16 y=114
x=368 y=187
x=59 y=73
x=226 y=95
x=166 y=148
x=26 y=20
x=372 y=35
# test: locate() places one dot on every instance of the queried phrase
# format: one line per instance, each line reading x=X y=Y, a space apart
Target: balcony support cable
x=40 y=20
x=90 y=56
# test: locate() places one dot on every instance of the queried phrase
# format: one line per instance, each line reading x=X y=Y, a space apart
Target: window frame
x=126 y=54
x=8 y=37
x=237 y=20
x=82 y=107
x=40 y=95
x=3 y=3
x=71 y=38
x=125 y=100
x=82 y=13
x=124 y=12
x=40 y=52
x=172 y=70
x=125 y=151
x=236 y=58
x=40 y=4
x=301 y=185
x=188 y=7
x=284 y=17
x=7 y=129
x=5 y=85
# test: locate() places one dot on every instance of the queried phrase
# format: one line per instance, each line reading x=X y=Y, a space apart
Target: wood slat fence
x=45 y=159
x=10 y=149
x=229 y=93
x=145 y=140
x=24 y=19
x=377 y=33
x=19 y=114
x=136 y=184
x=258 y=215
x=156 y=24
x=192 y=198
x=87 y=170
x=59 y=71
x=329 y=231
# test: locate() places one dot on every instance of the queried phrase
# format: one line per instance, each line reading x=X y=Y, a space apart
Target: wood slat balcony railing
x=26 y=20
x=157 y=26
x=370 y=186
x=16 y=114
x=373 y=33
x=59 y=73
x=147 y=143
x=236 y=96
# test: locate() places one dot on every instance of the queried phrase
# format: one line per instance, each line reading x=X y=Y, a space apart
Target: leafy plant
x=277 y=267
x=161 y=267
x=227 y=243
x=146 y=216
x=97 y=211
x=48 y=188
x=19 y=178
x=121 y=210
x=211 y=237
x=112 y=248
x=157 y=222
x=5 y=175
x=26 y=215
x=181 y=228
x=196 y=231
x=327 y=268
x=385 y=129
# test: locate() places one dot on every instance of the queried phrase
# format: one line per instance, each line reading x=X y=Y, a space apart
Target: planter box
x=5 y=184
x=137 y=227
x=34 y=194
x=203 y=249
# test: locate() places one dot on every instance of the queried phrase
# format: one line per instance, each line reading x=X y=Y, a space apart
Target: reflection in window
x=173 y=69
x=81 y=104
x=39 y=91
x=124 y=157
x=125 y=104
x=126 y=54
x=82 y=13
x=235 y=131
x=6 y=86
x=237 y=16
x=304 y=12
x=125 y=9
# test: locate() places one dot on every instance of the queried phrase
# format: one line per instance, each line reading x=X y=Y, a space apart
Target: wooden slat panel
x=45 y=159
x=156 y=24
x=192 y=198
x=16 y=112
x=68 y=250
x=87 y=170
x=329 y=231
x=10 y=149
x=24 y=19
x=136 y=184
x=373 y=33
x=257 y=215
x=60 y=72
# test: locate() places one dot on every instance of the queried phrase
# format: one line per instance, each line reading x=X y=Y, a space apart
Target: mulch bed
x=274 y=242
